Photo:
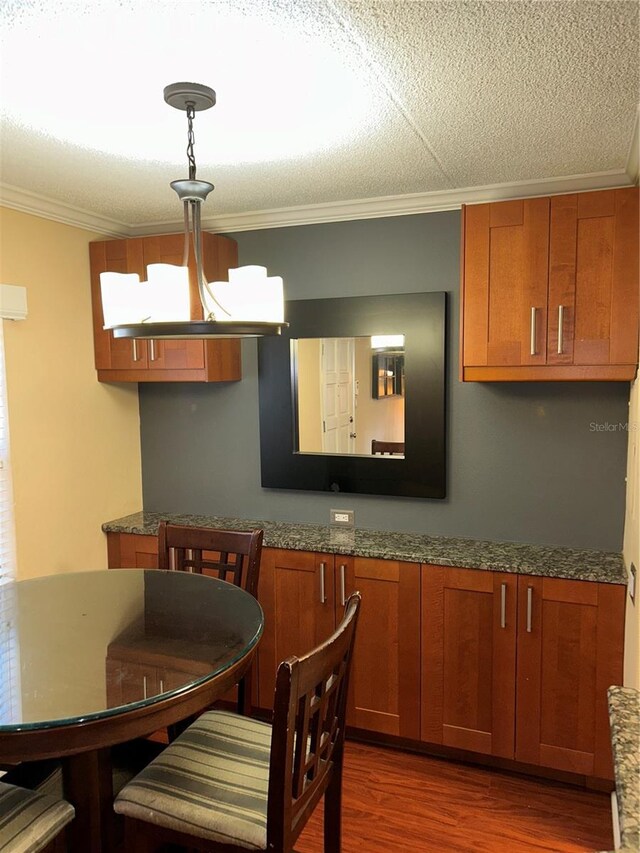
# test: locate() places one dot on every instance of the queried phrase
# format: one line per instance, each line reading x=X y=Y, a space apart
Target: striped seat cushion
x=28 y=820
x=211 y=782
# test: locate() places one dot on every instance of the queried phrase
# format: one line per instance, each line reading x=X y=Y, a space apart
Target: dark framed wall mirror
x=321 y=410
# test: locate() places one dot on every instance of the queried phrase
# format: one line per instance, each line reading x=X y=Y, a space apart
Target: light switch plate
x=631 y=583
x=341 y=517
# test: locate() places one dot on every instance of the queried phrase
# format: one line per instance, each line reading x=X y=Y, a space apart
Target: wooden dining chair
x=237 y=552
x=389 y=447
x=234 y=557
x=32 y=822
x=230 y=783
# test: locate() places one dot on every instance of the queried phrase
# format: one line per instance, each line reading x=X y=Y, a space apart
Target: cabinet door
x=505 y=276
x=384 y=693
x=593 y=278
x=174 y=355
x=296 y=591
x=469 y=659
x=570 y=642
x=124 y=256
x=132 y=551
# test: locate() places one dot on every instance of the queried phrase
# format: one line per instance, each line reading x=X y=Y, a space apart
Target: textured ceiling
x=319 y=101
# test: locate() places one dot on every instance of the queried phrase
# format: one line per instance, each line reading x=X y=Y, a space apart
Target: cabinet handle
x=134 y=346
x=503 y=605
x=152 y=350
x=144 y=686
x=529 y=607
x=343 y=598
x=323 y=596
x=560 y=329
x=533 y=331
x=162 y=685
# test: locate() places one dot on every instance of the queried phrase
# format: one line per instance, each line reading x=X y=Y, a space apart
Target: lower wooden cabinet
x=132 y=551
x=303 y=595
x=469 y=659
x=515 y=667
x=570 y=650
x=518 y=667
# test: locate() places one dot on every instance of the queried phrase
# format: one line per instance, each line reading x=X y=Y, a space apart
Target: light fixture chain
x=191 y=140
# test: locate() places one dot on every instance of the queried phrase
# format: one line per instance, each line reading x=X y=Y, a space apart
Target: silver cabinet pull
x=134 y=346
x=162 y=685
x=529 y=607
x=323 y=596
x=533 y=331
x=503 y=605
x=560 y=329
x=144 y=686
x=343 y=599
x=152 y=350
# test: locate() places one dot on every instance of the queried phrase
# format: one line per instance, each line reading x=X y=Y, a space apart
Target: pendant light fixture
x=249 y=304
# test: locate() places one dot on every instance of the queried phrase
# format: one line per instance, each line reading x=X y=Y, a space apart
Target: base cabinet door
x=469 y=659
x=570 y=650
x=303 y=595
x=132 y=551
x=384 y=693
x=297 y=595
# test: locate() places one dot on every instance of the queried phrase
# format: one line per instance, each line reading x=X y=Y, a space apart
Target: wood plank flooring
x=396 y=802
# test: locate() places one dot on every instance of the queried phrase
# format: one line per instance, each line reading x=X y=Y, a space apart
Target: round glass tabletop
x=83 y=646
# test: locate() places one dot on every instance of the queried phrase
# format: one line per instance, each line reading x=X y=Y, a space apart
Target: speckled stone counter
x=624 y=719
x=549 y=561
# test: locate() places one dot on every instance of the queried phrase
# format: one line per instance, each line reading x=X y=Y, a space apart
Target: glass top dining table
x=92 y=659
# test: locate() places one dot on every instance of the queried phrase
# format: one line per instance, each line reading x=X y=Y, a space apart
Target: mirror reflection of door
x=337 y=395
x=336 y=410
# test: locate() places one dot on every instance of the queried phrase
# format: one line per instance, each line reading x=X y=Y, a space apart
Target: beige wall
x=632 y=542
x=309 y=402
x=75 y=442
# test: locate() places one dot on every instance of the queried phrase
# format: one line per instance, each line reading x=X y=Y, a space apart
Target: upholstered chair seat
x=30 y=821
x=213 y=778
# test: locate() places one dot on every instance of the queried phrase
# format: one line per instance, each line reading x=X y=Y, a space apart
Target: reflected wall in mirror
x=349 y=394
x=412 y=467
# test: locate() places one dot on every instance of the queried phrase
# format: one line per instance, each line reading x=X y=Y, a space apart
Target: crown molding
x=48 y=208
x=633 y=160
x=398 y=205
x=311 y=214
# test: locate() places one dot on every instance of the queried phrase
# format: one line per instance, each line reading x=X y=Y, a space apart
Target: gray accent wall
x=527 y=462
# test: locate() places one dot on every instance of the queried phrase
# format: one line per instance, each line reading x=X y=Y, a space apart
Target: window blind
x=9 y=668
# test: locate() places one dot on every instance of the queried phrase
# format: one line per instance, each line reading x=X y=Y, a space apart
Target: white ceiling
x=327 y=109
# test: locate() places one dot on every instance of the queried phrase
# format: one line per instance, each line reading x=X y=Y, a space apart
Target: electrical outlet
x=342 y=517
x=631 y=583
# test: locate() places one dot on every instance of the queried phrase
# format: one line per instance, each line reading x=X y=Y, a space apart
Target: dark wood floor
x=395 y=802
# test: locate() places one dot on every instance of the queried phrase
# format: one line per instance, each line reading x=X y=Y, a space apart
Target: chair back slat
x=231 y=555
x=308 y=729
x=389 y=447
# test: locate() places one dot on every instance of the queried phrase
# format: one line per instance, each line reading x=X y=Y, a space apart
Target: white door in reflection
x=337 y=368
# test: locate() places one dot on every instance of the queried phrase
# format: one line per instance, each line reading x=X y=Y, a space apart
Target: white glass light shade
x=164 y=297
x=387 y=341
x=249 y=295
x=169 y=288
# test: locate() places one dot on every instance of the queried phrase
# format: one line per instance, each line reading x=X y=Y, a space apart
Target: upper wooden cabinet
x=550 y=288
x=126 y=360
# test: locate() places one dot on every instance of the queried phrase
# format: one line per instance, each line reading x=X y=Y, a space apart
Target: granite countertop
x=624 y=719
x=548 y=561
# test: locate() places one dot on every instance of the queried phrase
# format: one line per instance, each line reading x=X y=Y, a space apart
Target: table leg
x=88 y=787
